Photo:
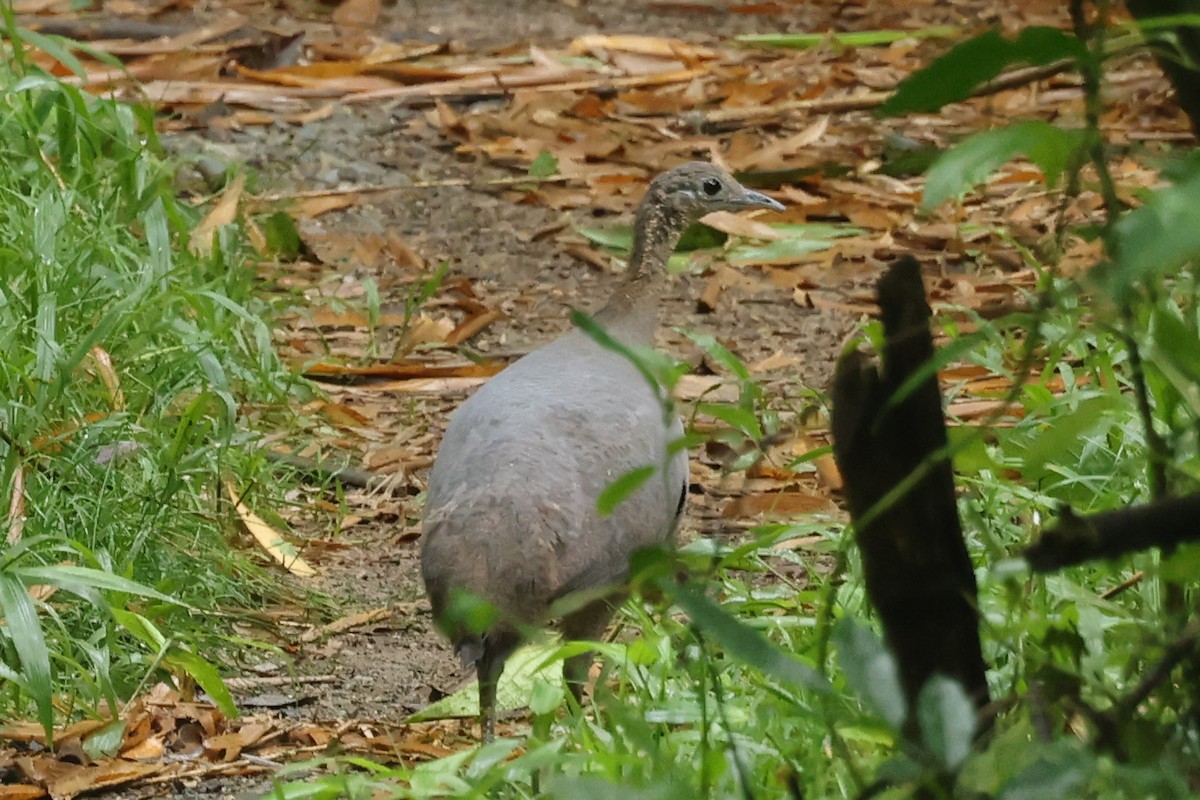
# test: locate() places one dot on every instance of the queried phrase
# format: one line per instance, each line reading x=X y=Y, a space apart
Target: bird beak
x=753 y=199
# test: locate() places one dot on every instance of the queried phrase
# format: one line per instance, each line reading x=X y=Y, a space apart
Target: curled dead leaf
x=778 y=504
x=102 y=362
x=16 y=506
x=223 y=213
x=267 y=537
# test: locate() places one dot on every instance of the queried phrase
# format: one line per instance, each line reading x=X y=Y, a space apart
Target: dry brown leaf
x=318 y=114
x=21 y=792
x=645 y=45
x=395 y=459
x=425 y=329
x=826 y=466
x=472 y=326
x=108 y=373
x=357 y=13
x=405 y=370
x=341 y=414
x=267 y=537
x=345 y=624
x=65 y=780
x=711 y=388
x=800 y=542
x=536 y=78
x=711 y=295
x=205 y=93
x=822 y=301
x=741 y=225
x=785 y=152
x=229 y=746
x=151 y=747
x=777 y=360
x=167 y=45
x=16 y=505
x=403 y=253
x=306 y=77
x=438 y=386
x=974 y=409
x=223 y=213
x=778 y=504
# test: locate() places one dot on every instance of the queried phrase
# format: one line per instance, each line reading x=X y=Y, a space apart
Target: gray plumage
x=511 y=509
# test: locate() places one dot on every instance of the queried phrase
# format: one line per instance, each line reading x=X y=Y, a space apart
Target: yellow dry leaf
x=738 y=225
x=223 y=213
x=312 y=207
x=108 y=373
x=16 y=506
x=267 y=537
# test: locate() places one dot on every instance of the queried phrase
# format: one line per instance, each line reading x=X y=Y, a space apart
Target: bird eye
x=711 y=186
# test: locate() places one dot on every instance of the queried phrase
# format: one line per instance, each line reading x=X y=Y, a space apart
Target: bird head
x=696 y=188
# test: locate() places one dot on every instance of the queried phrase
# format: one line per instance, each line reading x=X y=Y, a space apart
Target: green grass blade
x=25 y=630
x=804 y=41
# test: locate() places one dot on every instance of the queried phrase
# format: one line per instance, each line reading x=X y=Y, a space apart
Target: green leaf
x=106 y=742
x=947 y=720
x=206 y=675
x=283 y=238
x=740 y=419
x=544 y=166
x=25 y=630
x=1056 y=774
x=57 y=47
x=614 y=237
x=325 y=787
x=969 y=451
x=1156 y=239
x=799 y=240
x=803 y=41
x=956 y=74
x=871 y=671
x=1183 y=565
x=620 y=489
x=620 y=237
x=1175 y=349
x=720 y=353
x=642 y=361
x=1061 y=435
x=973 y=159
x=528 y=666
x=79 y=579
x=545 y=696
x=742 y=641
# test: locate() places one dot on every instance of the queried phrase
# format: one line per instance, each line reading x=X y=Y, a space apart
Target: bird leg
x=497 y=647
x=586 y=624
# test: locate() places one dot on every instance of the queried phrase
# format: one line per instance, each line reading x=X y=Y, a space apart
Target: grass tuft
x=126 y=364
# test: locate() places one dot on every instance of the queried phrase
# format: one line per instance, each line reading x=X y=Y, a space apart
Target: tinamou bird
x=511 y=514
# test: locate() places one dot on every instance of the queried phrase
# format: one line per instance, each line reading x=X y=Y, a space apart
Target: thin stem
x=1092 y=74
x=1158 y=451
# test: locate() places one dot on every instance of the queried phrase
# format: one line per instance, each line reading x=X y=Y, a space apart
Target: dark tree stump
x=918 y=574
x=1183 y=77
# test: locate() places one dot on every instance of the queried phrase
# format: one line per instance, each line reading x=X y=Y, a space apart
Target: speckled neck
x=631 y=314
